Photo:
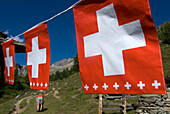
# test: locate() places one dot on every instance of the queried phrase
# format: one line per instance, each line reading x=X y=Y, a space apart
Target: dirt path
x=17 y=105
x=55 y=94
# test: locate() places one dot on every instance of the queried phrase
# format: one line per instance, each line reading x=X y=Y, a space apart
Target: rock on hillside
x=61 y=65
x=22 y=69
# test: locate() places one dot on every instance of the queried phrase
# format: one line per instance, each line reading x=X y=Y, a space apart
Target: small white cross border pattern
x=86 y=87
x=105 y=86
x=95 y=87
x=9 y=80
x=37 y=84
x=156 y=84
x=141 y=85
x=127 y=85
x=116 y=86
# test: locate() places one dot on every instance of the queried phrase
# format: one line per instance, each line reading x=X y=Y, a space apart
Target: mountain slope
x=61 y=65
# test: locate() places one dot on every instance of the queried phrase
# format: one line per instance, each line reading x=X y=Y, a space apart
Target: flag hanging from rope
x=9 y=55
x=118 y=48
x=38 y=57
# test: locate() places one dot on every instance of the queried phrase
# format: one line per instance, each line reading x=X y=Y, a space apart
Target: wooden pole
x=100 y=104
x=124 y=103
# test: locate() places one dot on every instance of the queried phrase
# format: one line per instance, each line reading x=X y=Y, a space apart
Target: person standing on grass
x=40 y=101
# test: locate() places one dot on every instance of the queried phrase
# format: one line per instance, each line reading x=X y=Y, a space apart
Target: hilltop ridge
x=57 y=66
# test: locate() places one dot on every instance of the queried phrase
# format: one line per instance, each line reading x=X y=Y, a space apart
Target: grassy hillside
x=71 y=99
x=164 y=32
x=165 y=50
x=164 y=37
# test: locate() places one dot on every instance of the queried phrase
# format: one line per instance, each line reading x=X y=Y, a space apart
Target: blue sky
x=19 y=15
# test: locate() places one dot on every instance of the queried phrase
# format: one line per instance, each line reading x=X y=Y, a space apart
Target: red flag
x=38 y=57
x=9 y=51
x=118 y=47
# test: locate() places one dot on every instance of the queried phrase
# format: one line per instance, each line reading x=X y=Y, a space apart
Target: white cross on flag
x=9 y=53
x=38 y=57
x=118 y=47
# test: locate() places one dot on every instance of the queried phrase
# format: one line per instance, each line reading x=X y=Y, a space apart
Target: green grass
x=7 y=107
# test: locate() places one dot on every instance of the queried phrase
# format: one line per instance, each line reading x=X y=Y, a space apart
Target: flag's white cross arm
x=111 y=39
x=8 y=61
x=36 y=57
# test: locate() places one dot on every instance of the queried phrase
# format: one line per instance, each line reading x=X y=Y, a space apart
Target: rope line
x=72 y=6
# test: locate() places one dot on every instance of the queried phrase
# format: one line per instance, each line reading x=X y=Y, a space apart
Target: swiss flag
x=118 y=48
x=9 y=55
x=38 y=57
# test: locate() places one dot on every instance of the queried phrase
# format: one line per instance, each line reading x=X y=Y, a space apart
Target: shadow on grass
x=44 y=109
